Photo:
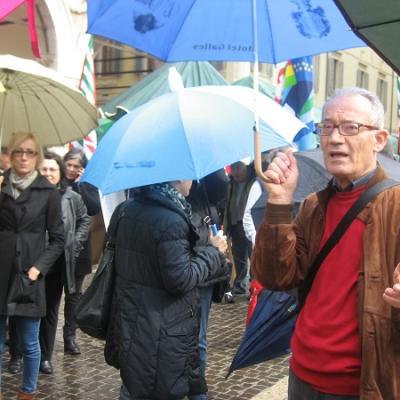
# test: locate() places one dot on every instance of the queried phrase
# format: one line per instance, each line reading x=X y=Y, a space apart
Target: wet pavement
x=88 y=377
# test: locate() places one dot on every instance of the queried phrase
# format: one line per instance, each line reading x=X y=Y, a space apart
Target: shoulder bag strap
x=345 y=222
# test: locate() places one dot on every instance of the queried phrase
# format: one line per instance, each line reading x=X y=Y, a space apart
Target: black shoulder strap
x=345 y=222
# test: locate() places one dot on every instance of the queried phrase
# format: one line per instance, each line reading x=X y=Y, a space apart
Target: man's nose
x=335 y=135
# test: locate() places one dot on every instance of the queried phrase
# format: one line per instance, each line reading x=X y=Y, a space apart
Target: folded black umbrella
x=268 y=334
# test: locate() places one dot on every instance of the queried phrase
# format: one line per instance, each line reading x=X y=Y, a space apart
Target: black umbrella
x=313 y=177
x=268 y=334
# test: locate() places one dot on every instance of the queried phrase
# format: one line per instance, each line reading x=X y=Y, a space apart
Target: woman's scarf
x=165 y=189
x=19 y=184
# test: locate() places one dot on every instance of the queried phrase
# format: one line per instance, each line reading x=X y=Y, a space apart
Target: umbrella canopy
x=156 y=84
x=269 y=332
x=37 y=99
x=313 y=177
x=377 y=23
x=208 y=29
x=186 y=134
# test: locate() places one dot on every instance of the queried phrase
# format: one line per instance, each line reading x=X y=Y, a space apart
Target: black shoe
x=70 y=347
x=15 y=364
x=239 y=291
x=46 y=367
x=228 y=298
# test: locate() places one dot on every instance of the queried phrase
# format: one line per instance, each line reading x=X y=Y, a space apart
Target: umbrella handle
x=257 y=157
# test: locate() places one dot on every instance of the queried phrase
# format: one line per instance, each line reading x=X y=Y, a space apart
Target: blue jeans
x=28 y=338
x=300 y=390
x=205 y=304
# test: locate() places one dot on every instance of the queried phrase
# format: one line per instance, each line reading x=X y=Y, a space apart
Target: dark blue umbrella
x=268 y=334
x=313 y=177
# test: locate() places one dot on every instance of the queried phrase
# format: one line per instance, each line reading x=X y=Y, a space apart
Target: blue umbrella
x=225 y=30
x=186 y=134
x=269 y=332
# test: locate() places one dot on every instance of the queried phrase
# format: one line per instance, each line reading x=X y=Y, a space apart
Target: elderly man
x=346 y=344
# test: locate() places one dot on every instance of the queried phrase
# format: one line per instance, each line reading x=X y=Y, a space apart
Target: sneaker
x=228 y=298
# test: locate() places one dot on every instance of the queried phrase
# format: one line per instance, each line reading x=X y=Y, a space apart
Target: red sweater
x=326 y=343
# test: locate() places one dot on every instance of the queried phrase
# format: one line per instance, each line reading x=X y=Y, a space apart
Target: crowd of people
x=172 y=261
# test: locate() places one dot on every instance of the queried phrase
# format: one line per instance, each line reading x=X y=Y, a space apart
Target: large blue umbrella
x=269 y=332
x=186 y=134
x=224 y=30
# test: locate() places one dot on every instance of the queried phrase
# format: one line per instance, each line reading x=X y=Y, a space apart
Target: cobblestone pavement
x=87 y=376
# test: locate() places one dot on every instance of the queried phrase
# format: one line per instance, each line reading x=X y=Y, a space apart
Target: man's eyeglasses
x=345 y=128
x=28 y=152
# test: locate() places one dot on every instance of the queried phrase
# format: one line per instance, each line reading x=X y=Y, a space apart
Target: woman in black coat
x=62 y=274
x=155 y=318
x=30 y=210
x=74 y=164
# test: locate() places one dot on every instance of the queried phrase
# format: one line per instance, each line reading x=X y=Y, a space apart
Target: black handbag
x=93 y=309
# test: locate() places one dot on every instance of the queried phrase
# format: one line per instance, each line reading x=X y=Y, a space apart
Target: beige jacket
x=285 y=249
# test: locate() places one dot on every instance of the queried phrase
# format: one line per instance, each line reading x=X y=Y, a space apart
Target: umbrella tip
x=175 y=81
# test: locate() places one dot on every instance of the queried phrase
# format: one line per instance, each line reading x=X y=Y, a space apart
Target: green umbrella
x=155 y=84
x=264 y=87
x=104 y=125
x=378 y=24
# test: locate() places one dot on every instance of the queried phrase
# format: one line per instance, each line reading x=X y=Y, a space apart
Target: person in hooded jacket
x=31 y=240
x=62 y=274
x=154 y=334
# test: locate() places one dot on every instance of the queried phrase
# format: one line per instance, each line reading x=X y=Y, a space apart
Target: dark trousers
x=48 y=327
x=13 y=344
x=241 y=251
x=300 y=390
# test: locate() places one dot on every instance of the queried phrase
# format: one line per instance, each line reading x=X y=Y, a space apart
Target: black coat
x=23 y=226
x=155 y=327
x=76 y=231
x=90 y=196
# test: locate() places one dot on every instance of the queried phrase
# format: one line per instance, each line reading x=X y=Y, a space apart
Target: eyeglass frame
x=31 y=154
x=337 y=126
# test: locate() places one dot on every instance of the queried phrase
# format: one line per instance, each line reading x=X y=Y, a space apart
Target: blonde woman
x=30 y=210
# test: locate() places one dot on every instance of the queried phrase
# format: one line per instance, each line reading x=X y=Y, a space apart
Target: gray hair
x=377 y=111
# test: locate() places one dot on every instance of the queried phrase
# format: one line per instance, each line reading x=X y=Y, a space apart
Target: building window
x=382 y=90
x=334 y=75
x=316 y=67
x=362 y=78
x=109 y=61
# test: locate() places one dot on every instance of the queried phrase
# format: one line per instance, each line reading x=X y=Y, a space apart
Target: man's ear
x=381 y=138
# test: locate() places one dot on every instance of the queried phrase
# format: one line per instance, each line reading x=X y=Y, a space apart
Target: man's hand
x=283 y=175
x=33 y=273
x=1 y=181
x=392 y=295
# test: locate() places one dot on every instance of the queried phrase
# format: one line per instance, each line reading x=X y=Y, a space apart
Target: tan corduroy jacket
x=285 y=249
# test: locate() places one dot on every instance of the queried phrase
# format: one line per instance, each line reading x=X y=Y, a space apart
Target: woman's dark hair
x=76 y=154
x=49 y=155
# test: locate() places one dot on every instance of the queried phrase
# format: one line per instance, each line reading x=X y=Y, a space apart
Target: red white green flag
x=87 y=86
